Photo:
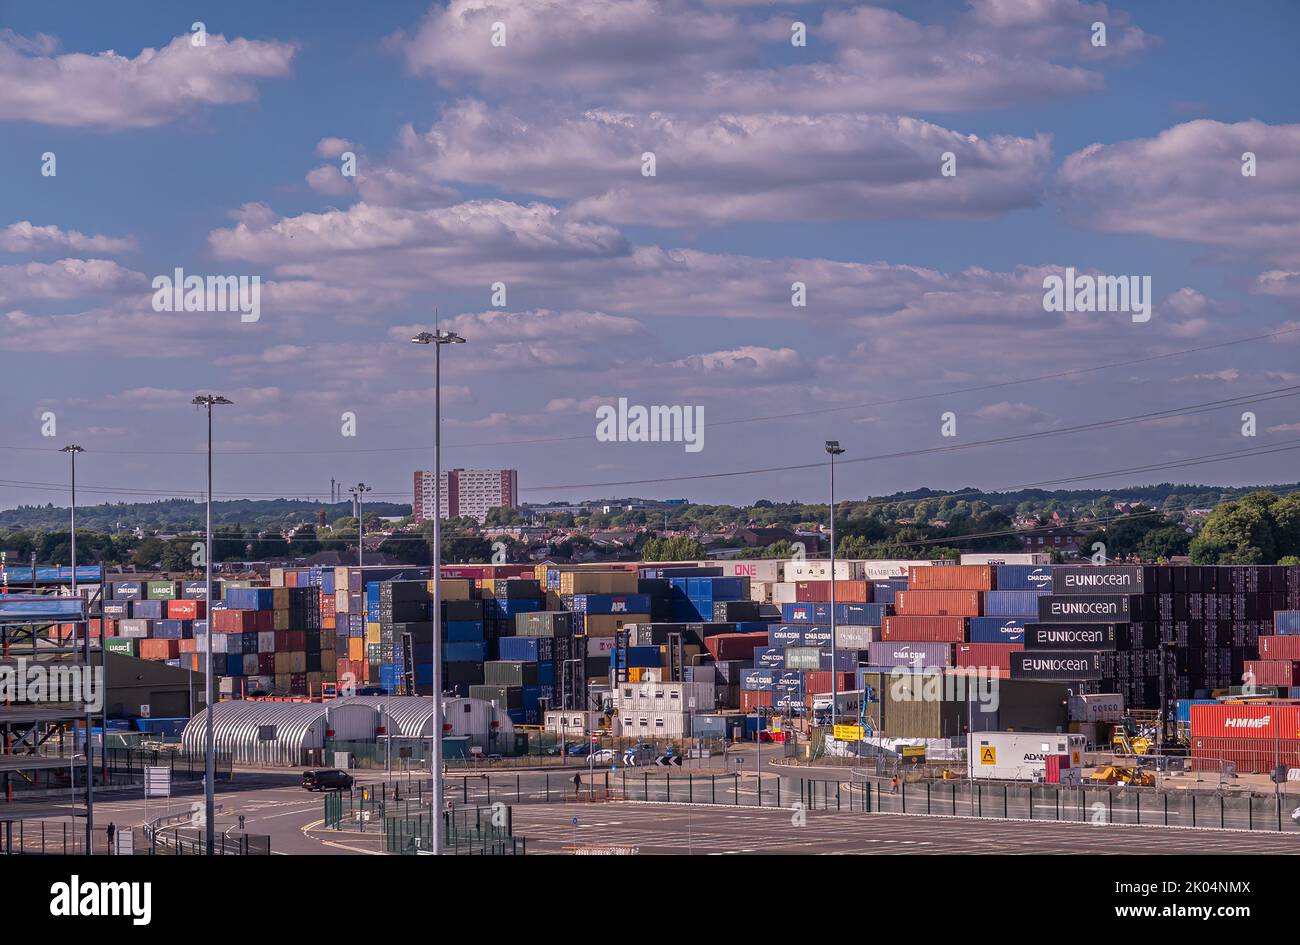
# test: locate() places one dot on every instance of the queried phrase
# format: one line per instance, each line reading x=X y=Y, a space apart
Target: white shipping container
x=783 y=593
x=571 y=722
x=821 y=570
x=600 y=646
x=1097 y=707
x=250 y=664
x=1021 y=756
x=136 y=628
x=652 y=724
x=854 y=636
x=341 y=602
x=219 y=642
x=665 y=697
x=881 y=569
x=266 y=641
x=1004 y=557
x=761 y=591
x=756 y=569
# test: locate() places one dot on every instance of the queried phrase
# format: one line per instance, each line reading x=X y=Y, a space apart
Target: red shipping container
x=328 y=604
x=751 y=699
x=186 y=609
x=961 y=577
x=241 y=621
x=1250 y=755
x=298 y=684
x=290 y=578
x=1273 y=672
x=159 y=649
x=1246 y=720
x=188 y=646
x=937 y=603
x=734 y=646
x=1279 y=648
x=819 y=592
x=820 y=682
x=266 y=664
x=924 y=629
x=1055 y=764
x=992 y=655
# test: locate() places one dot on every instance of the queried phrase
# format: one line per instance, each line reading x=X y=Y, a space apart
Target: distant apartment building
x=466 y=493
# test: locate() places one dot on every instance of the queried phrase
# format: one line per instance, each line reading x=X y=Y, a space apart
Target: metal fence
x=184 y=767
x=1074 y=804
x=68 y=838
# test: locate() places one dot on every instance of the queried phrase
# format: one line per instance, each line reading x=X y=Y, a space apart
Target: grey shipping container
x=910 y=654
x=1057 y=664
x=1098 y=580
x=1083 y=608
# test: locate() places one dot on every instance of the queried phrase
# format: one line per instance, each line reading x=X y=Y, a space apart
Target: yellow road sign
x=849 y=733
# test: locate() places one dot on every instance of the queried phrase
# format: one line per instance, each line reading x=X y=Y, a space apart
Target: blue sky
x=520 y=164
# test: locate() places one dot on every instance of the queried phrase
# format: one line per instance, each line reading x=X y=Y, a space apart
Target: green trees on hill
x=1260 y=528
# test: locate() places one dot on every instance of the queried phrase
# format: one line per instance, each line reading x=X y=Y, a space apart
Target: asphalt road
x=274 y=804
x=677 y=829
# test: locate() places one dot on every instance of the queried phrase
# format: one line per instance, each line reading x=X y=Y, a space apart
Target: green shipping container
x=123 y=645
x=505 y=697
x=164 y=590
x=544 y=623
x=509 y=673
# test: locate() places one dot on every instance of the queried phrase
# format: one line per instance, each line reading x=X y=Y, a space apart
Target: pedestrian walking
x=893 y=785
x=111 y=831
x=241 y=823
x=577 y=786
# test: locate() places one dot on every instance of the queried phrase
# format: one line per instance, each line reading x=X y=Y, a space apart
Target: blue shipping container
x=250 y=598
x=1023 y=577
x=1286 y=621
x=464 y=630
x=465 y=652
x=1011 y=603
x=997 y=629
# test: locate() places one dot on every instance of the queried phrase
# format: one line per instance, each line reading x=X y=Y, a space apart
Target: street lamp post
x=210 y=769
x=834 y=449
x=358 y=494
x=72 y=450
x=437 y=338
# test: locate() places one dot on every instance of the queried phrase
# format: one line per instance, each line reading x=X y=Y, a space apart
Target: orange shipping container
x=959 y=577
x=186 y=609
x=937 y=603
x=924 y=629
x=159 y=649
x=1273 y=672
x=751 y=699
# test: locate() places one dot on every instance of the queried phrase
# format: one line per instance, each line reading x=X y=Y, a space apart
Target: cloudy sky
x=520 y=162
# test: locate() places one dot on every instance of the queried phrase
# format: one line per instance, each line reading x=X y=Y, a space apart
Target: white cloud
x=674 y=54
x=1282 y=283
x=1186 y=184
x=24 y=237
x=764 y=166
x=66 y=279
x=110 y=91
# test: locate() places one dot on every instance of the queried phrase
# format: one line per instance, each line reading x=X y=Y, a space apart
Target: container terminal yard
x=936 y=707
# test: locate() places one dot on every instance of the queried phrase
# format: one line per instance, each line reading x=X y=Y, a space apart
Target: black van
x=326 y=779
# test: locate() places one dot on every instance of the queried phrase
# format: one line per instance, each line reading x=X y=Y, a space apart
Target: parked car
x=327 y=779
x=603 y=756
x=581 y=750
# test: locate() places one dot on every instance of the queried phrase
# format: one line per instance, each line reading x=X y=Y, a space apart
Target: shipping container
x=912 y=603
x=996 y=630
x=1023 y=577
x=1070 y=636
x=969 y=577
x=1011 y=603
x=821 y=570
x=1021 y=756
x=1279 y=647
x=934 y=629
x=1098 y=580
x=994 y=655
x=910 y=654
x=1058 y=664
x=1272 y=672
x=1083 y=607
